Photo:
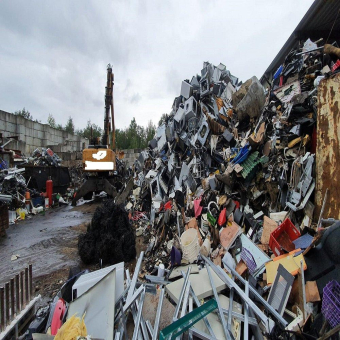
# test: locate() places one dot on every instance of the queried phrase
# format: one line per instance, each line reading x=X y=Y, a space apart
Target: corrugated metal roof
x=316 y=23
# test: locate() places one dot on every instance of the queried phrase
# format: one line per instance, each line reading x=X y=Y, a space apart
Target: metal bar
x=268 y=307
x=135 y=276
x=231 y=304
x=158 y=315
x=17 y=291
x=22 y=303
x=129 y=302
x=149 y=327
x=224 y=323
x=245 y=327
x=190 y=310
x=303 y=291
x=139 y=315
x=201 y=335
x=269 y=324
x=26 y=286
x=2 y=308
x=12 y=298
x=7 y=302
x=198 y=304
x=181 y=294
x=255 y=327
x=185 y=299
x=123 y=322
x=30 y=270
x=240 y=317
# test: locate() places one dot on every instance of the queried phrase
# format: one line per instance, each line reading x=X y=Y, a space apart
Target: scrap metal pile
x=223 y=200
x=230 y=176
x=44 y=157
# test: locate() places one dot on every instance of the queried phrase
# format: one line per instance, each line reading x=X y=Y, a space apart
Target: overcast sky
x=54 y=53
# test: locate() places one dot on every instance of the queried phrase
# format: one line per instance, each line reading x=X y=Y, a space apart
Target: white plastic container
x=161 y=270
x=190 y=246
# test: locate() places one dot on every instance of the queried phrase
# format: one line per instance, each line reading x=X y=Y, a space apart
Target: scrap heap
x=228 y=183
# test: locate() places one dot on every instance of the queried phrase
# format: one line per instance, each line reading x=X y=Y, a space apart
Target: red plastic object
x=197 y=207
x=285 y=227
x=58 y=316
x=167 y=205
x=336 y=65
x=49 y=191
x=222 y=219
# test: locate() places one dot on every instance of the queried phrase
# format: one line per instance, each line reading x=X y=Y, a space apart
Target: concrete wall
x=32 y=135
x=131 y=155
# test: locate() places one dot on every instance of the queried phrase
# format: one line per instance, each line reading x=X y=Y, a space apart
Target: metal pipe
x=258 y=296
x=158 y=315
x=139 y=315
x=181 y=294
x=220 y=312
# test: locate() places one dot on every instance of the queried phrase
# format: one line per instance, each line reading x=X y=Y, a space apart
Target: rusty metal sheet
x=328 y=148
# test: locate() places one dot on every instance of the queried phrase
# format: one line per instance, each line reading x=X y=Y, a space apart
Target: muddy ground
x=49 y=242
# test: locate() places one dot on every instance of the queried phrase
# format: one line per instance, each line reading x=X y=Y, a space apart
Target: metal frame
x=267 y=306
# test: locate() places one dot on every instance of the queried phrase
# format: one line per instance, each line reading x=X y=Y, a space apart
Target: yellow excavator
x=99 y=159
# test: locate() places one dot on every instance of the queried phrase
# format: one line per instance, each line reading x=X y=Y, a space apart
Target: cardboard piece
x=312 y=292
x=289 y=262
x=269 y=225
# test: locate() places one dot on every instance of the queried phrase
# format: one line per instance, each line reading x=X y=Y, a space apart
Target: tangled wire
x=109 y=237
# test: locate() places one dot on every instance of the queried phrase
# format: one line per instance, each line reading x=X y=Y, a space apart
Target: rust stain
x=328 y=147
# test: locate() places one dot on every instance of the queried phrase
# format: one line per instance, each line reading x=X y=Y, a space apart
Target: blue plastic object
x=278 y=72
x=303 y=242
x=242 y=155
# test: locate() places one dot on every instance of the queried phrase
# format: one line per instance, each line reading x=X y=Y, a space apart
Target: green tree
x=163 y=118
x=69 y=127
x=51 y=121
x=86 y=132
x=24 y=113
x=150 y=131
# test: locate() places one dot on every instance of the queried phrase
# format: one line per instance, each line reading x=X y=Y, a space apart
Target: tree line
x=132 y=137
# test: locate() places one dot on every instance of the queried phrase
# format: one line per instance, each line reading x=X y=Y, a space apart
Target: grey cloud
x=135 y=98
